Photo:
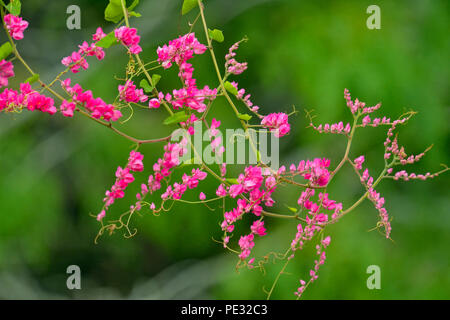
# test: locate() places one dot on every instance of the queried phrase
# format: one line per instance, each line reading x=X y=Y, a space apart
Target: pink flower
x=6 y=71
x=231 y=65
x=235 y=190
x=246 y=244
x=225 y=241
x=135 y=161
x=123 y=178
x=180 y=50
x=154 y=103
x=75 y=61
x=16 y=26
x=365 y=121
x=202 y=196
x=129 y=93
x=326 y=241
x=96 y=106
x=258 y=228
x=358 y=162
x=129 y=38
x=316 y=171
x=98 y=35
x=221 y=191
x=67 y=108
x=28 y=98
x=277 y=122
x=101 y=215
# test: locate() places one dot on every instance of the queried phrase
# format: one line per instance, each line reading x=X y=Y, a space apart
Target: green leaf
x=5 y=50
x=14 y=7
x=230 y=88
x=294 y=210
x=2 y=3
x=134 y=14
x=133 y=5
x=216 y=35
x=244 y=116
x=114 y=12
x=145 y=85
x=176 y=118
x=107 y=41
x=232 y=180
x=155 y=78
x=33 y=78
x=188 y=5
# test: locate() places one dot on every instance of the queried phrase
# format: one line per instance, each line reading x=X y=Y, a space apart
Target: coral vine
x=252 y=192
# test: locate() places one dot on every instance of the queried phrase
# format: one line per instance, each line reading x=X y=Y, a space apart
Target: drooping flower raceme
x=98 y=108
x=77 y=59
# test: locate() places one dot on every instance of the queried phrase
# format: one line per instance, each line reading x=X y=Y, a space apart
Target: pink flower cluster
x=379 y=203
x=373 y=196
x=231 y=65
x=258 y=228
x=191 y=97
x=250 y=189
x=320 y=250
x=6 y=71
x=358 y=105
x=278 y=123
x=96 y=106
x=245 y=98
x=171 y=158
x=179 y=50
x=16 y=26
x=67 y=108
x=77 y=59
x=333 y=128
x=129 y=38
x=366 y=121
x=246 y=243
x=177 y=190
x=399 y=152
x=314 y=218
x=129 y=93
x=403 y=175
x=123 y=178
x=315 y=171
x=359 y=162
x=27 y=98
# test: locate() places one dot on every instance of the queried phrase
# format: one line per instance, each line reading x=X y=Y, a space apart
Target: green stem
x=221 y=81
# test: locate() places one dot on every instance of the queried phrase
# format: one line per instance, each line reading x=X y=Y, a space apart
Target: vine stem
x=347 y=149
x=364 y=196
x=141 y=64
x=269 y=214
x=47 y=87
x=278 y=277
x=221 y=81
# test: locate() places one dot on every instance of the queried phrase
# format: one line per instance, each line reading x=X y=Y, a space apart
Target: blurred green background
x=54 y=171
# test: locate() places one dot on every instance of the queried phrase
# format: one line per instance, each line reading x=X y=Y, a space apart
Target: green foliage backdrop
x=54 y=171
